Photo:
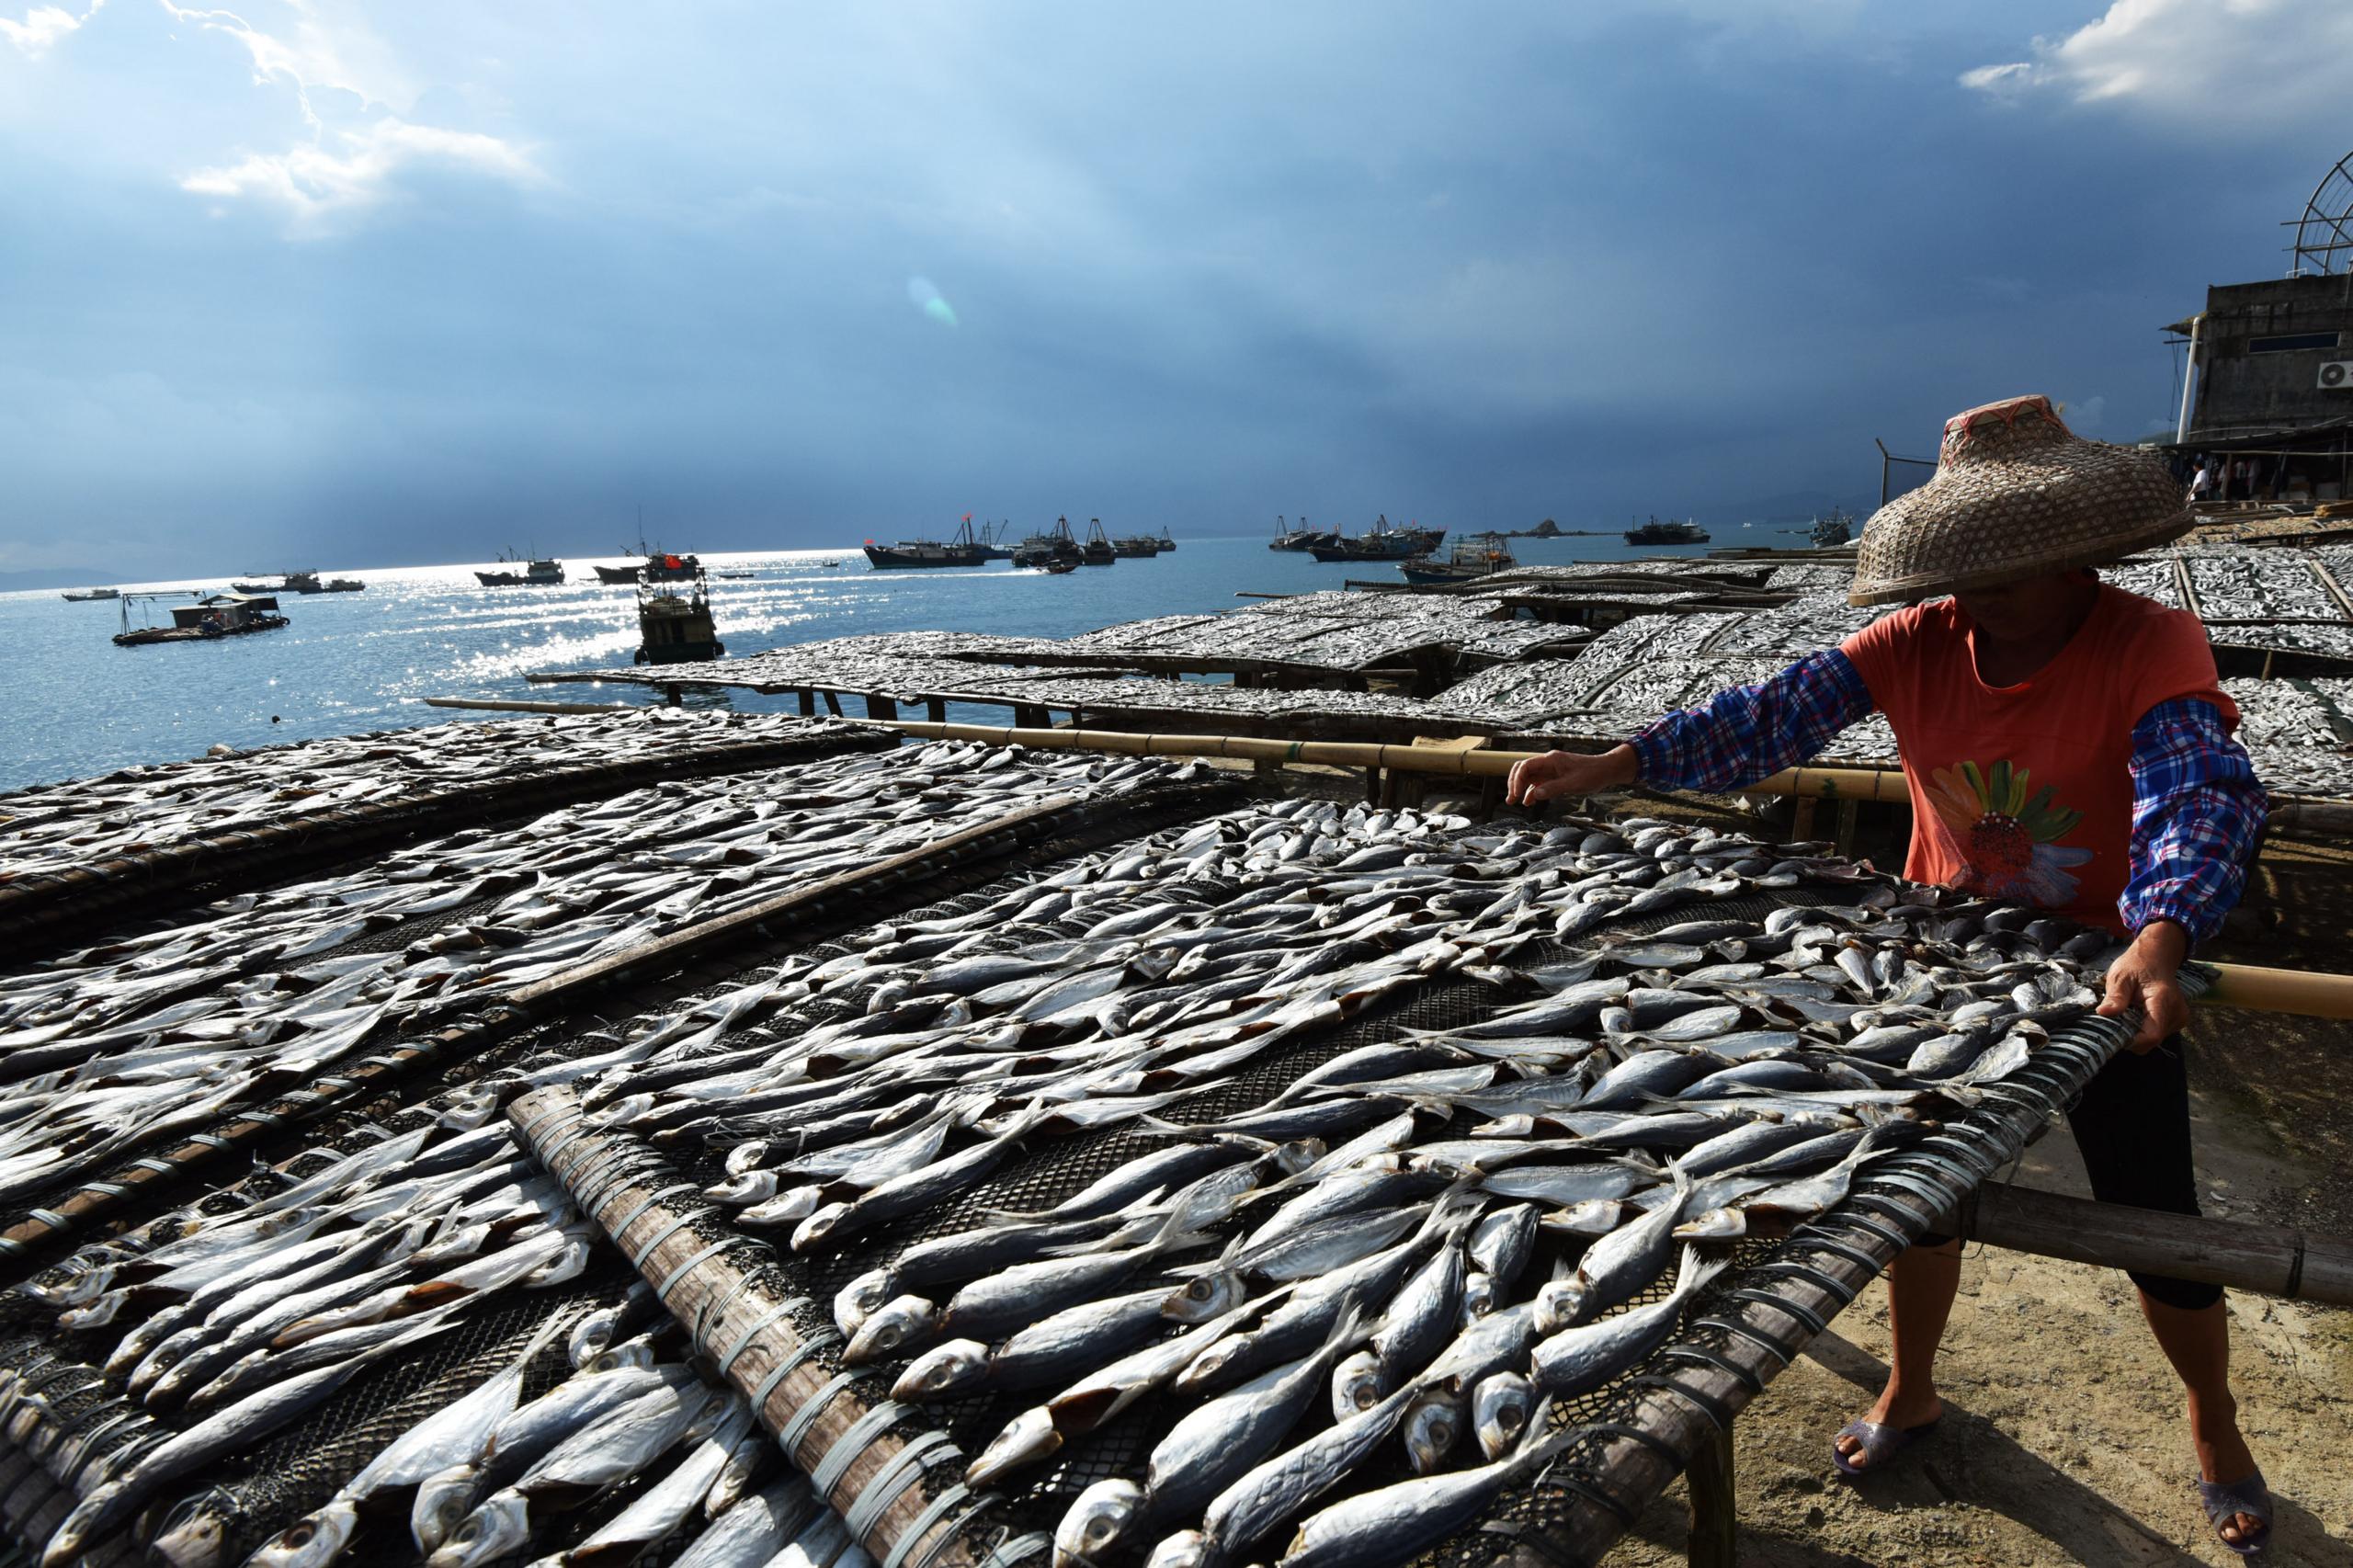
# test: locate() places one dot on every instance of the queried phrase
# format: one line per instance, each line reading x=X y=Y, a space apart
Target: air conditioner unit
x=2337 y=375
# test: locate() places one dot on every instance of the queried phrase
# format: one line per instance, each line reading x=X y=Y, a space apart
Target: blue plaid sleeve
x=1749 y=733
x=2197 y=809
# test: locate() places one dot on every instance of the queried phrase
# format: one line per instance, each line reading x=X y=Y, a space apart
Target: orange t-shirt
x=2026 y=791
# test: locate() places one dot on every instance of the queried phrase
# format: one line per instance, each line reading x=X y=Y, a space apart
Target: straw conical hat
x=2016 y=493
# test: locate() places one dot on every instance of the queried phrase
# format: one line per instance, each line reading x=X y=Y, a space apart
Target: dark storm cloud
x=796 y=277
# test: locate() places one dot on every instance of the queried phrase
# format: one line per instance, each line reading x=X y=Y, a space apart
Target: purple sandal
x=1879 y=1444
x=2247 y=1496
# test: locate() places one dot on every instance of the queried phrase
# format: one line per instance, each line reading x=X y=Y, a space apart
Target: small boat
x=536 y=574
x=85 y=596
x=1656 y=532
x=207 y=621
x=615 y=576
x=734 y=576
x=1059 y=568
x=676 y=627
x=963 y=551
x=252 y=587
x=1474 y=555
x=828 y=565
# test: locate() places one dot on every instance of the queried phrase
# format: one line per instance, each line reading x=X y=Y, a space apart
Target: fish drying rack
x=761 y=1320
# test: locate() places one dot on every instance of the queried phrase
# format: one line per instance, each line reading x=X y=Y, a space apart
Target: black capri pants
x=2133 y=1125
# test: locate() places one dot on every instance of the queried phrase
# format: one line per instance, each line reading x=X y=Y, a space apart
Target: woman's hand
x=2147 y=977
x=1558 y=773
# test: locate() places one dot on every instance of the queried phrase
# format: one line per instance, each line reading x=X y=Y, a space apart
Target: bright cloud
x=43 y=26
x=361 y=167
x=2248 y=64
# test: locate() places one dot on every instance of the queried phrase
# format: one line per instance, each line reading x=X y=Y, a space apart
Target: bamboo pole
x=2294 y=990
x=520 y=705
x=769 y=1344
x=1828 y=783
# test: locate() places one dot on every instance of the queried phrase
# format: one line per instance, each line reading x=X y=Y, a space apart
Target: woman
x=2032 y=677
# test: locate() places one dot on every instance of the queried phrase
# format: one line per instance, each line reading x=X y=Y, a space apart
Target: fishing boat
x=1670 y=532
x=676 y=627
x=208 y=620
x=309 y=583
x=1040 y=549
x=649 y=566
x=1832 y=529
x=1474 y=555
x=992 y=541
x=1168 y=541
x=1137 y=547
x=1099 y=550
x=85 y=596
x=536 y=574
x=963 y=551
x=1300 y=537
x=1380 y=542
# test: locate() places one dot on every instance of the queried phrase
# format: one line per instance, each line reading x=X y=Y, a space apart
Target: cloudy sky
x=403 y=282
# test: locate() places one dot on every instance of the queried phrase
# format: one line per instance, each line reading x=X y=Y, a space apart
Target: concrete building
x=2271 y=383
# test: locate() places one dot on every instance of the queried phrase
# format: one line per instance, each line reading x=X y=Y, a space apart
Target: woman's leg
x=1920 y=1288
x=2133 y=1125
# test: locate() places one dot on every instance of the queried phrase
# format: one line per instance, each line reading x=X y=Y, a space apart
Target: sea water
x=77 y=705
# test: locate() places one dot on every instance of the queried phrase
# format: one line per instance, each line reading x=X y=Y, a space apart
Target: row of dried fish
x=110 y=1048
x=74 y=824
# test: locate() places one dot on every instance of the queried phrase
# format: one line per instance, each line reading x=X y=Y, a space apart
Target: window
x=2290 y=344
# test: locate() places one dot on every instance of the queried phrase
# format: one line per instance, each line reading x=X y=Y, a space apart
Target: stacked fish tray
x=1200 y=1182
x=204 y=1379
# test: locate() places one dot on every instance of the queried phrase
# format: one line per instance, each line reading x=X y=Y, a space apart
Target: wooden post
x=2268 y=1259
x=808 y=699
x=1802 y=820
x=833 y=703
x=937 y=707
x=1372 y=786
x=1849 y=812
x=881 y=707
x=1715 y=1507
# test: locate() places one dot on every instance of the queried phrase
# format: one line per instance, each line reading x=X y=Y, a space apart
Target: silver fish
x=1577 y=1360
x=1394 y=1523
x=1500 y=1406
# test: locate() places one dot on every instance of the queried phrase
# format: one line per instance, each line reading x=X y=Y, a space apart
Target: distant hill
x=56 y=577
